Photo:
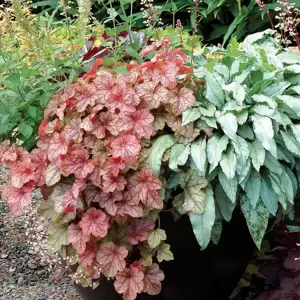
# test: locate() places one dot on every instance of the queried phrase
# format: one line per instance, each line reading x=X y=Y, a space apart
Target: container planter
x=194 y=274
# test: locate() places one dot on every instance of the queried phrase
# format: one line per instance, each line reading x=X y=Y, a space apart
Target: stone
x=31 y=265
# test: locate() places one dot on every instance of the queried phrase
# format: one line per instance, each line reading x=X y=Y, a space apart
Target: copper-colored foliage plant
x=89 y=162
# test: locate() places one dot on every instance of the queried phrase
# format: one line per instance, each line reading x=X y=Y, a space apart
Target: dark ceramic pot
x=194 y=274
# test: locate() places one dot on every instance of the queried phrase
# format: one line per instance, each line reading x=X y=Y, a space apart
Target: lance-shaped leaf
x=178 y=156
x=215 y=146
x=290 y=142
x=291 y=102
x=238 y=91
x=257 y=154
x=263 y=130
x=194 y=196
x=160 y=145
x=155 y=237
x=252 y=187
x=257 y=219
x=229 y=185
x=111 y=258
x=242 y=154
x=190 y=115
x=268 y=196
x=153 y=276
x=129 y=282
x=216 y=232
x=229 y=124
x=228 y=163
x=202 y=224
x=225 y=205
x=198 y=153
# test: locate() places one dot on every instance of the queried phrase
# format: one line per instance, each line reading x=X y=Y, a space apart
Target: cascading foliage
x=126 y=142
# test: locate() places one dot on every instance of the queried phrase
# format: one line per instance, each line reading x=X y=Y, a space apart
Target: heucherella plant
x=198 y=135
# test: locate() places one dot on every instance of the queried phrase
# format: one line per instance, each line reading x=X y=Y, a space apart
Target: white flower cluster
x=288 y=20
x=150 y=14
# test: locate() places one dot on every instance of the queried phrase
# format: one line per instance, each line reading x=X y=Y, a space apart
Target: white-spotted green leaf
x=155 y=237
x=228 y=162
x=202 y=224
x=238 y=91
x=216 y=232
x=263 y=130
x=214 y=92
x=190 y=115
x=215 y=147
x=256 y=218
x=194 y=196
x=290 y=142
x=257 y=154
x=268 y=196
x=160 y=145
x=292 y=102
x=225 y=205
x=58 y=236
x=287 y=186
x=229 y=124
x=229 y=186
x=252 y=187
x=198 y=153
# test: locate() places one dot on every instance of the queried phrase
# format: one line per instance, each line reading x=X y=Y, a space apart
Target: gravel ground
x=24 y=275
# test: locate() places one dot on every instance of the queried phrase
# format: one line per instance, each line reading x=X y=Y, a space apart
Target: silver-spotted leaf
x=268 y=196
x=290 y=142
x=202 y=224
x=160 y=145
x=215 y=147
x=216 y=232
x=229 y=186
x=229 y=124
x=257 y=219
x=228 y=162
x=225 y=205
x=252 y=187
x=190 y=115
x=198 y=153
x=257 y=154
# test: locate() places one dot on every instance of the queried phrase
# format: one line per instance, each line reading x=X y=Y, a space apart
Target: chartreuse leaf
x=194 y=197
x=229 y=124
x=252 y=187
x=190 y=115
x=215 y=146
x=198 y=153
x=229 y=186
x=58 y=236
x=202 y=224
x=47 y=211
x=160 y=145
x=155 y=237
x=164 y=253
x=257 y=154
x=268 y=196
x=257 y=219
x=216 y=232
x=228 y=162
x=225 y=205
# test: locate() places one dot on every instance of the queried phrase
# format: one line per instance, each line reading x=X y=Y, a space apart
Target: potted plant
x=130 y=147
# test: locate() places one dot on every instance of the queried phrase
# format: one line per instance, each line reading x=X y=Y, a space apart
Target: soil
x=25 y=271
